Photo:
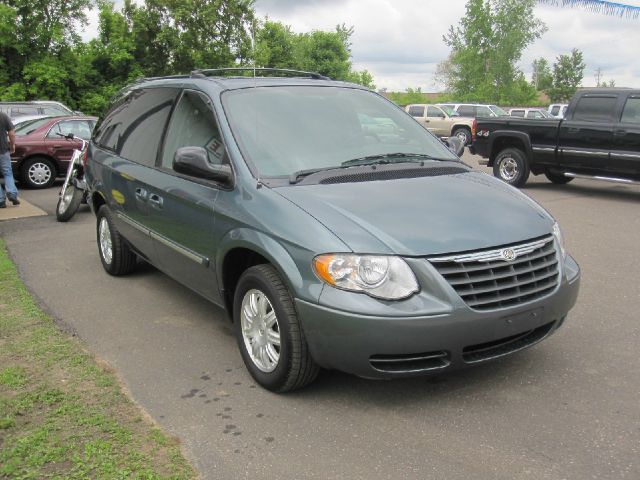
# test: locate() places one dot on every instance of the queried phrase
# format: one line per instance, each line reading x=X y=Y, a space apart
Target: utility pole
x=598 y=76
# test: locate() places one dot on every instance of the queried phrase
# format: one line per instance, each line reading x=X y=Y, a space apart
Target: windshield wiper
x=295 y=177
x=385 y=158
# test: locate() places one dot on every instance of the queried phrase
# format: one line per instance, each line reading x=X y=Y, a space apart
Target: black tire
x=463 y=133
x=122 y=259
x=38 y=172
x=557 y=177
x=68 y=203
x=294 y=368
x=511 y=166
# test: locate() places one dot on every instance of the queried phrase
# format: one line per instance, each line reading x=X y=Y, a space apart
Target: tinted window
x=631 y=112
x=416 y=111
x=466 y=110
x=133 y=127
x=594 y=109
x=517 y=113
x=193 y=124
x=434 y=112
x=555 y=109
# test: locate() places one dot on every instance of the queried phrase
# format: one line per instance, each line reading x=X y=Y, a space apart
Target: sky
x=400 y=41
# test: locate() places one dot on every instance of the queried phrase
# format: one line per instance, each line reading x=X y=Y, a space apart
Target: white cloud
x=400 y=42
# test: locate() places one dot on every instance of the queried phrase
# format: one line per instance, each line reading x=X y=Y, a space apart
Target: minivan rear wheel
x=115 y=254
x=268 y=331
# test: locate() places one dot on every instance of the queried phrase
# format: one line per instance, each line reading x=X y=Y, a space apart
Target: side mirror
x=455 y=145
x=194 y=161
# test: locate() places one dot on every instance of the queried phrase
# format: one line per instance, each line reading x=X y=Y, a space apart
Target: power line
x=598 y=6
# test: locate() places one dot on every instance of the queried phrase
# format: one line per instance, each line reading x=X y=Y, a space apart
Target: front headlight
x=558 y=234
x=380 y=276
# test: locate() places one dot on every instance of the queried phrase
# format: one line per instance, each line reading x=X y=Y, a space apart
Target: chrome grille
x=485 y=280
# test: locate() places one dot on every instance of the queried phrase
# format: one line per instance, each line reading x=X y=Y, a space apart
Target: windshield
x=26 y=128
x=286 y=129
x=498 y=111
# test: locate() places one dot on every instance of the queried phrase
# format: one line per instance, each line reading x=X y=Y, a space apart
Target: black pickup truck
x=599 y=138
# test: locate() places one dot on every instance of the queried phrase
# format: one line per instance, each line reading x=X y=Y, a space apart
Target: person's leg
x=2 y=162
x=9 y=182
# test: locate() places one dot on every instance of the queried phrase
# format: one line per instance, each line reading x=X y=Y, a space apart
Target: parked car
x=42 y=154
x=529 y=113
x=598 y=138
x=442 y=121
x=383 y=257
x=557 y=110
x=476 y=110
x=35 y=107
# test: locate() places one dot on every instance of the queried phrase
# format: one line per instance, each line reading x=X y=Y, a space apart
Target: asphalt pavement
x=568 y=408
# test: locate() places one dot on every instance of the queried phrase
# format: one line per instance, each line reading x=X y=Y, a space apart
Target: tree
x=410 y=96
x=486 y=47
x=568 y=71
x=542 y=78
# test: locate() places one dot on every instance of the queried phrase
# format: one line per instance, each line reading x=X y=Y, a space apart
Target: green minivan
x=332 y=244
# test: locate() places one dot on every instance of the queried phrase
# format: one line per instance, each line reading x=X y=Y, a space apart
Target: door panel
x=625 y=149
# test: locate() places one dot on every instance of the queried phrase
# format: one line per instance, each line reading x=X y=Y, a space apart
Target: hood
x=423 y=216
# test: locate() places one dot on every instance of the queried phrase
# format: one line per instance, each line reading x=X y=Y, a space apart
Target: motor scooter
x=74 y=188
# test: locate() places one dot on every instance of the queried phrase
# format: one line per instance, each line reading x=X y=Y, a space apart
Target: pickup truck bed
x=599 y=138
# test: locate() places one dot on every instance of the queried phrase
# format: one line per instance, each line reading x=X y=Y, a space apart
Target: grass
x=62 y=415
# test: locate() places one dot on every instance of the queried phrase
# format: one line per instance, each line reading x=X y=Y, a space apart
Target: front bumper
x=399 y=346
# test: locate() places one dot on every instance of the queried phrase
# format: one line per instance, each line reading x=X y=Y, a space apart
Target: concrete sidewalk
x=25 y=209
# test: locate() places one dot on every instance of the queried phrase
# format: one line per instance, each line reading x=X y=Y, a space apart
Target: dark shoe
x=14 y=200
x=3 y=204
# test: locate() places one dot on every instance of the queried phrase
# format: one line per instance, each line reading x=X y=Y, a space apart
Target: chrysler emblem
x=508 y=254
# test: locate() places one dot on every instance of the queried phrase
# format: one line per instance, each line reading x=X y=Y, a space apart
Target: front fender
x=300 y=286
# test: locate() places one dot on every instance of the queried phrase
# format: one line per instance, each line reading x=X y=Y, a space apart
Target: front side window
x=79 y=128
x=434 y=112
x=595 y=109
x=193 y=124
x=497 y=111
x=133 y=127
x=276 y=140
x=631 y=112
x=484 y=112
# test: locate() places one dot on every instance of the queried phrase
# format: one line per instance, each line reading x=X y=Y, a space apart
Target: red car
x=41 y=153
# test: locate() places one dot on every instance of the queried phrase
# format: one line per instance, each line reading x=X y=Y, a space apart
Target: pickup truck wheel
x=464 y=134
x=557 y=177
x=510 y=166
x=269 y=334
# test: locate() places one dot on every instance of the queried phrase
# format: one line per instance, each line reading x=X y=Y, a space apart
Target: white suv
x=475 y=110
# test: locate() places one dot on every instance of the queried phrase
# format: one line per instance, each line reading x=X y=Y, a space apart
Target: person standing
x=7 y=147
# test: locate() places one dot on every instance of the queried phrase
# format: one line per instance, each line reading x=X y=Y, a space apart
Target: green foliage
x=42 y=57
x=485 y=49
x=568 y=71
x=542 y=78
x=408 y=97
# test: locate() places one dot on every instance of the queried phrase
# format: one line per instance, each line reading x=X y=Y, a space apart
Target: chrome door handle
x=141 y=193
x=156 y=199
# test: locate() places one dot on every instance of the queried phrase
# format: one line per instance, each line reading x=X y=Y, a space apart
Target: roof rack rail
x=201 y=73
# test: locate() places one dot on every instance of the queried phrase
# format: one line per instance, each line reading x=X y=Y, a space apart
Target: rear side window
x=193 y=124
x=134 y=126
x=595 y=109
x=631 y=112
x=416 y=111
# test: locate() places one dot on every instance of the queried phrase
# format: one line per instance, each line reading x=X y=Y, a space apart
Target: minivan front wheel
x=510 y=166
x=115 y=254
x=268 y=331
